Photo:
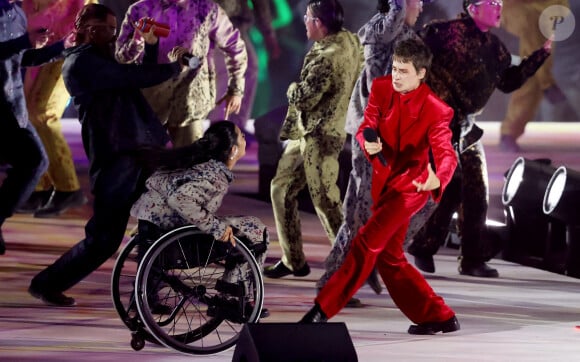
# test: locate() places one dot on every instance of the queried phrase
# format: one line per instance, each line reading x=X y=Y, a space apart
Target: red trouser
x=380 y=243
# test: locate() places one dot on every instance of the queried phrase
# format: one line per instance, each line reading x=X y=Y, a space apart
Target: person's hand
x=233 y=104
x=149 y=36
x=373 y=148
x=548 y=44
x=69 y=40
x=431 y=183
x=228 y=236
x=272 y=45
x=176 y=54
x=39 y=37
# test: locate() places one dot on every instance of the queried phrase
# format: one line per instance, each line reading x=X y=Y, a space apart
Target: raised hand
x=39 y=37
x=431 y=183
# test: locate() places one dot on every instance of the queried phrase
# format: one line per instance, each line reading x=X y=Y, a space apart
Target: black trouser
x=116 y=188
x=23 y=151
x=466 y=194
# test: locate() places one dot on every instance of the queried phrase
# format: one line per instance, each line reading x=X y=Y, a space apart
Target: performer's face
x=241 y=143
x=312 y=23
x=487 y=13
x=102 y=32
x=405 y=77
x=414 y=9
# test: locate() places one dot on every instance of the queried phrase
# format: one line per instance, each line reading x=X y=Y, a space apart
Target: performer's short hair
x=413 y=50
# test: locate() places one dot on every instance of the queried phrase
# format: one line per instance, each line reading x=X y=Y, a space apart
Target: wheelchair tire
x=194 y=293
x=123 y=291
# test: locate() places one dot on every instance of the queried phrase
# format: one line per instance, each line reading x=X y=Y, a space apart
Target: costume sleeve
x=379 y=31
x=315 y=79
x=190 y=201
x=129 y=48
x=151 y=53
x=14 y=46
x=371 y=120
x=230 y=42
x=34 y=57
x=97 y=73
x=439 y=135
x=515 y=76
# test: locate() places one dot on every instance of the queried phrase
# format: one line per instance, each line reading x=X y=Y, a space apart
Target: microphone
x=370 y=135
x=191 y=61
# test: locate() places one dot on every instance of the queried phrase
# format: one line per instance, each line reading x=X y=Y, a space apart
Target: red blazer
x=408 y=125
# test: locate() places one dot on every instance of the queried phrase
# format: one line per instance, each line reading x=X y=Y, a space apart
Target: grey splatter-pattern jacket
x=318 y=101
x=378 y=37
x=192 y=197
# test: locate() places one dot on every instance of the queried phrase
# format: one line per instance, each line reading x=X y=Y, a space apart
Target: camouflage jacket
x=468 y=65
x=317 y=103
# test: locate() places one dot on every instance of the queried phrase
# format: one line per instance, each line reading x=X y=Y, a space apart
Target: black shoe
x=425 y=263
x=36 y=201
x=2 y=244
x=314 y=315
x=280 y=270
x=374 y=282
x=52 y=298
x=450 y=325
x=481 y=270
x=354 y=303
x=59 y=202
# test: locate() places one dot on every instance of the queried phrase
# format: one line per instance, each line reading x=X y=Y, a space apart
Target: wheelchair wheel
x=195 y=293
x=123 y=291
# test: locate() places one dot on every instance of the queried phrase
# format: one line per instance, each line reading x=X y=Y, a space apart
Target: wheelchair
x=187 y=291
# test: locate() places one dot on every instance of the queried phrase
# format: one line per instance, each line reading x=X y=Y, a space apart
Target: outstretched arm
x=14 y=46
x=34 y=57
x=516 y=75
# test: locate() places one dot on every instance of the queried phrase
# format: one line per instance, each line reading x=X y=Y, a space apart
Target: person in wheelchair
x=188 y=187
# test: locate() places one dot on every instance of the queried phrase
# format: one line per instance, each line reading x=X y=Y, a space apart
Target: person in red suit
x=409 y=120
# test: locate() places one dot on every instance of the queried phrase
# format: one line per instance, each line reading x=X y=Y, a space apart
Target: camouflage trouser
x=312 y=162
x=356 y=208
x=467 y=193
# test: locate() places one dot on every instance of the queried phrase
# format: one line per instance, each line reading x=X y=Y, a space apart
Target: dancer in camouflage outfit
x=314 y=127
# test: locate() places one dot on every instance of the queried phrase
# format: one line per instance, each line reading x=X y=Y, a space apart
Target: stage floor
x=525 y=315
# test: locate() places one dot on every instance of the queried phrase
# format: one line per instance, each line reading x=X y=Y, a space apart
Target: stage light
x=561 y=201
x=526 y=183
x=562 y=196
x=533 y=238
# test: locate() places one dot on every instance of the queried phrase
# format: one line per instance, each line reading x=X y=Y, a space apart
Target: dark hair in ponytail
x=216 y=144
x=329 y=12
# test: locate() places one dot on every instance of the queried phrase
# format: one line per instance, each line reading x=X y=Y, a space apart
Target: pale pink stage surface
x=524 y=315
